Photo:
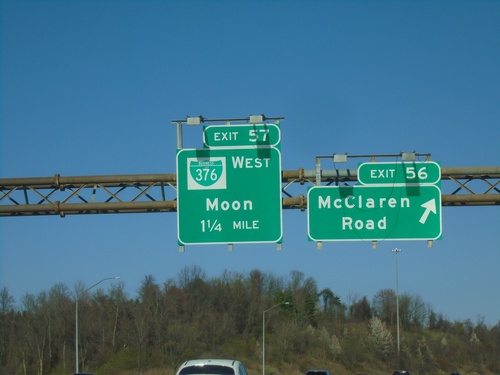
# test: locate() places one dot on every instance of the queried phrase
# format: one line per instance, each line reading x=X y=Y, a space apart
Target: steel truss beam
x=59 y=195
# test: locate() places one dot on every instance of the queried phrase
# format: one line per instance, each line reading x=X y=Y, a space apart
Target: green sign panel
x=357 y=213
x=229 y=195
x=230 y=136
x=404 y=173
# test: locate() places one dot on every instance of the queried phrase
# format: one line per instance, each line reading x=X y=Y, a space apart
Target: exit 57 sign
x=231 y=193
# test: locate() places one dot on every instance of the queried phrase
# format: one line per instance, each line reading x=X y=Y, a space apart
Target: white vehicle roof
x=211 y=367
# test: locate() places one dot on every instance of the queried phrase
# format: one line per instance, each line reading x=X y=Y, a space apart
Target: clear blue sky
x=90 y=88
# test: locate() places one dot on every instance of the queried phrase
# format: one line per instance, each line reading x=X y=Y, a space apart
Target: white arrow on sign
x=429 y=206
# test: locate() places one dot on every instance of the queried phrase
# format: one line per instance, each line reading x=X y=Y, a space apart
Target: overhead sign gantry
x=235 y=174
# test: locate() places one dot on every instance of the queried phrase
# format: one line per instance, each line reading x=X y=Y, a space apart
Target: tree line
x=197 y=316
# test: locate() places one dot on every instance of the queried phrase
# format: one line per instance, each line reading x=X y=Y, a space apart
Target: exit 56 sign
x=404 y=173
x=356 y=213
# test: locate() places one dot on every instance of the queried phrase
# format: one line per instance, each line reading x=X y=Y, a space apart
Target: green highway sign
x=403 y=173
x=251 y=135
x=358 y=213
x=229 y=195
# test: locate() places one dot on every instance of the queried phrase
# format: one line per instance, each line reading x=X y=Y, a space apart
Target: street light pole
x=76 y=318
x=396 y=250
x=264 y=334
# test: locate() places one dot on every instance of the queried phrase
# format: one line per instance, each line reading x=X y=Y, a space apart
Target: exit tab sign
x=251 y=135
x=404 y=173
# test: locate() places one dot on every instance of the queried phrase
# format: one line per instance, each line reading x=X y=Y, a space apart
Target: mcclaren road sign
x=356 y=213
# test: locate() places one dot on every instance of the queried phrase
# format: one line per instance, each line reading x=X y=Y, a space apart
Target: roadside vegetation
x=194 y=316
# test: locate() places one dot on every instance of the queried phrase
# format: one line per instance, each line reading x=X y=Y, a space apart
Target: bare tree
x=6 y=301
x=384 y=305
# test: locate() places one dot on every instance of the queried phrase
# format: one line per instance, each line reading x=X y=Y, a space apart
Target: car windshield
x=207 y=370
